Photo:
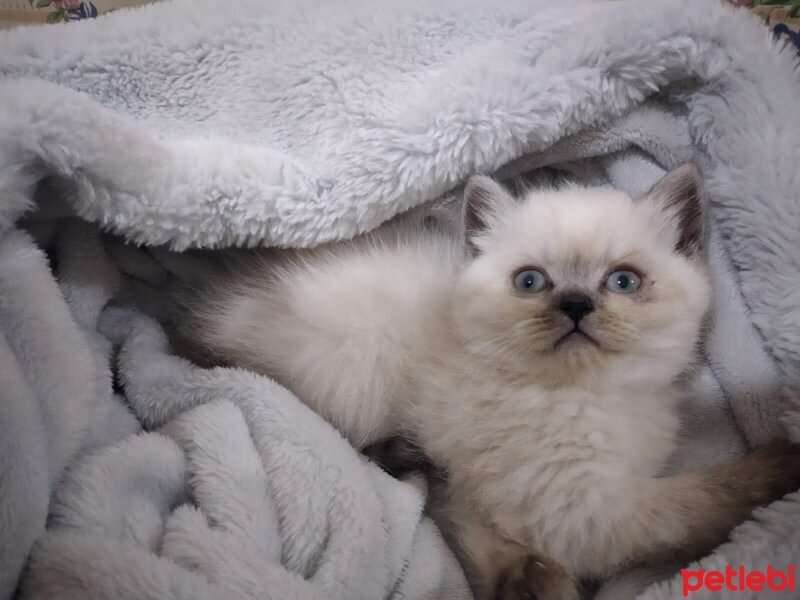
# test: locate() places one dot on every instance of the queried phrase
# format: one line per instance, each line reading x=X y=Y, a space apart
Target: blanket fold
x=126 y=471
x=239 y=491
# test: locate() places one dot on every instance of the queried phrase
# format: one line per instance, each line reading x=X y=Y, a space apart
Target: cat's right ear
x=484 y=199
x=679 y=195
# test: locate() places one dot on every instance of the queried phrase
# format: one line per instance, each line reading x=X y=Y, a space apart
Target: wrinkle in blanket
x=192 y=124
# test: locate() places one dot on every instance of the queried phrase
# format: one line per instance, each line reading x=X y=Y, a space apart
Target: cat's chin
x=574 y=339
x=576 y=352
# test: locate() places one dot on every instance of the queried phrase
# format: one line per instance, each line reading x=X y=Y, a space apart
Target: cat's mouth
x=576 y=334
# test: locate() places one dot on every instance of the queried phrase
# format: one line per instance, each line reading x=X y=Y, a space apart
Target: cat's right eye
x=530 y=281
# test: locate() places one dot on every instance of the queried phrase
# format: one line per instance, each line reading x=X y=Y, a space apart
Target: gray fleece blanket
x=128 y=472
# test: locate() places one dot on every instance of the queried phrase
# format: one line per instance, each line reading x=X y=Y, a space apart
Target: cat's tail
x=685 y=516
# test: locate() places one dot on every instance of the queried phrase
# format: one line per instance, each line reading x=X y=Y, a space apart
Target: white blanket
x=203 y=124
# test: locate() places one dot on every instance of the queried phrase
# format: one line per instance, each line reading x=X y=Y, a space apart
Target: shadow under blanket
x=127 y=472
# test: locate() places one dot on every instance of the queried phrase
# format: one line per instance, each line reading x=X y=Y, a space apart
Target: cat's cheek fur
x=515 y=329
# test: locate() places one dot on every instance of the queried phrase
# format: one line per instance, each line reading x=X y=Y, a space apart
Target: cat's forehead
x=578 y=228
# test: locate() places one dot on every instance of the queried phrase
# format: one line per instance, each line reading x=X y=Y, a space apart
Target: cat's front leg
x=498 y=568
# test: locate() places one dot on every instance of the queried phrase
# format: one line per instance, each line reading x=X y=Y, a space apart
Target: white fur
x=555 y=450
x=346 y=329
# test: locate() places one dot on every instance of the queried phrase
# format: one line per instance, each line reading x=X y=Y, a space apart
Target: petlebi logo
x=739 y=579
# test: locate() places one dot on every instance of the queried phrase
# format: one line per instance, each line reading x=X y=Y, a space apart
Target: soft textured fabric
x=238 y=490
x=295 y=123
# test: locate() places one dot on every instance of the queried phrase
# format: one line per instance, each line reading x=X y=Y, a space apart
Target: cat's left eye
x=623 y=282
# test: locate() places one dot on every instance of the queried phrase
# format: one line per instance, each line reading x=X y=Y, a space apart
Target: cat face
x=567 y=282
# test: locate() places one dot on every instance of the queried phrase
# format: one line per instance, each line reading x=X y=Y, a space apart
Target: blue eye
x=530 y=281
x=623 y=282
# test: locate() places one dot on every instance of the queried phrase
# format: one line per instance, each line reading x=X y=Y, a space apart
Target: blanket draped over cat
x=193 y=124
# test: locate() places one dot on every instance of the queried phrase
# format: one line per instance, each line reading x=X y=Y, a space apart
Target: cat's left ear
x=484 y=201
x=679 y=195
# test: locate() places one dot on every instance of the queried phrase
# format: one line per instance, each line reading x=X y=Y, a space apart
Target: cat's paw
x=399 y=456
x=535 y=578
x=777 y=465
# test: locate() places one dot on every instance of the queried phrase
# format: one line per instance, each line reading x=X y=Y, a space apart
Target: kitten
x=536 y=357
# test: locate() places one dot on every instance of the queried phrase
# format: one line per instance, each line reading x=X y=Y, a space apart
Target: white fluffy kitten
x=536 y=360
